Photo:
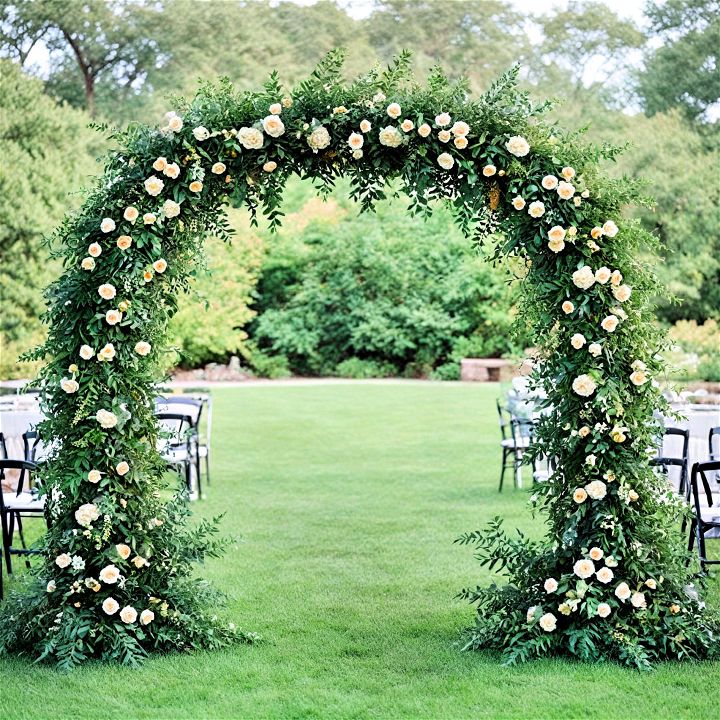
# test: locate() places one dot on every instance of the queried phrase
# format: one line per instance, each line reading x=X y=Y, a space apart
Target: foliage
x=33 y=202
x=695 y=351
x=353 y=296
x=128 y=254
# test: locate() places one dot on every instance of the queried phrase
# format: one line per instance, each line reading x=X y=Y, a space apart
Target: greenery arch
x=608 y=581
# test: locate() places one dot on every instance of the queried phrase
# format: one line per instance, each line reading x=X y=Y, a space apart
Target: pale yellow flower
x=567 y=307
x=394 y=110
x=460 y=142
x=172 y=171
x=195 y=186
x=124 y=242
x=536 y=209
x=128 y=615
x=273 y=126
x=122 y=468
x=518 y=203
x=110 y=606
x=424 y=130
x=160 y=164
x=609 y=323
x=355 y=141
x=446 y=161
x=94 y=250
x=489 y=170
x=159 y=266
x=365 y=126
x=107 y=225
x=218 y=168
x=549 y=182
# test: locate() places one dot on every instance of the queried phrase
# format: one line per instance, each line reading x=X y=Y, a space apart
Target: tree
x=683 y=70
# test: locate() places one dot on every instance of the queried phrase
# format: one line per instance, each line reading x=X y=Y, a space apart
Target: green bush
x=357 y=295
x=694 y=355
x=270 y=366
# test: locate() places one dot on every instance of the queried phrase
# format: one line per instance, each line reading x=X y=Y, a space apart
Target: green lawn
x=348 y=499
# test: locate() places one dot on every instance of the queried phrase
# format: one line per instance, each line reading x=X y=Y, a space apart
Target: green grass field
x=348 y=499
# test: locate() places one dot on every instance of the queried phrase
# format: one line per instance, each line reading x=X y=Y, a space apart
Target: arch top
x=604 y=584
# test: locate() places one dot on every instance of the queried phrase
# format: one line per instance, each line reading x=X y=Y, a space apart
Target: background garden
x=335 y=293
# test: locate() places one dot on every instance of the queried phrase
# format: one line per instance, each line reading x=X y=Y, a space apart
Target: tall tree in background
x=683 y=71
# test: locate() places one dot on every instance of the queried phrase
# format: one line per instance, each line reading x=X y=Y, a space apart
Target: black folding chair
x=706 y=521
x=664 y=461
x=192 y=407
x=13 y=505
x=177 y=448
x=511 y=446
x=33 y=447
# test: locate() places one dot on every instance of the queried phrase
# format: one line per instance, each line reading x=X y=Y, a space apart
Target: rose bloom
x=171 y=208
x=394 y=111
x=595 y=349
x=638 y=378
x=128 y=615
x=390 y=136
x=567 y=307
x=638 y=600
x=51 y=586
x=269 y=166
x=94 y=476
x=602 y=275
x=551 y=585
x=87 y=514
x=584 y=385
x=148 y=276
x=446 y=161
x=123 y=551
x=149 y=218
x=124 y=242
x=596 y=489
x=444 y=136
x=122 y=468
x=548 y=622
x=618 y=435
x=633 y=496
x=594 y=247
x=616 y=278
x=605 y=575
x=584 y=568
x=201 y=133
x=275 y=109
x=584 y=278
x=113 y=317
x=172 y=171
x=218 y=168
x=107 y=352
x=549 y=182
x=109 y=575
x=131 y=214
x=319 y=138
x=62 y=561
x=610 y=228
x=556 y=233
x=576 y=201
x=517 y=146
x=139 y=562
x=460 y=128
x=596 y=233
x=572 y=231
x=87 y=264
x=94 y=250
x=610 y=561
x=86 y=352
x=154 y=185
x=443 y=119
x=556 y=245
x=159 y=266
x=160 y=164
x=603 y=610
x=195 y=186
x=69 y=386
x=175 y=123
x=622 y=292
x=609 y=323
x=273 y=126
x=365 y=126
x=489 y=170
x=107 y=291
x=578 y=340
x=584 y=431
x=460 y=142
x=568 y=173
x=518 y=203
x=565 y=190
x=106 y=419
x=110 y=606
x=143 y=348
x=424 y=130
x=596 y=553
x=536 y=209
x=638 y=365
x=355 y=141
x=107 y=225
x=651 y=584
x=146 y=617
x=579 y=496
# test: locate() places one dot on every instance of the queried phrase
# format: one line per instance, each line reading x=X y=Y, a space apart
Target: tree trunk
x=89 y=92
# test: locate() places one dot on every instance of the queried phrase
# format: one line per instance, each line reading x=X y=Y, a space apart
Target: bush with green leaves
x=609 y=580
x=384 y=293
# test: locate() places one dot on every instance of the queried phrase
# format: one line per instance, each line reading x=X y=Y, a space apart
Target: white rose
x=273 y=126
x=446 y=161
x=610 y=229
x=548 y=622
x=549 y=182
x=460 y=128
x=218 y=168
x=319 y=138
x=531 y=613
x=390 y=136
x=356 y=141
x=603 y=610
x=86 y=352
x=609 y=323
x=171 y=208
x=595 y=349
x=605 y=575
x=201 y=133
x=113 y=317
x=131 y=214
x=128 y=615
x=518 y=146
x=567 y=172
x=638 y=365
x=94 y=476
x=62 y=561
x=394 y=111
x=146 y=617
x=122 y=468
x=154 y=185
x=565 y=190
x=578 y=340
x=584 y=568
x=69 y=386
x=638 y=378
x=87 y=514
x=622 y=292
x=106 y=419
x=616 y=278
x=638 y=600
x=407 y=125
x=107 y=291
x=172 y=170
x=109 y=574
x=107 y=225
x=443 y=119
x=110 y=606
x=444 y=136
x=143 y=348
x=424 y=130
x=595 y=553
x=365 y=126
x=584 y=385
x=518 y=203
x=596 y=489
x=536 y=209
x=87 y=264
x=251 y=138
x=551 y=585
x=357 y=154
x=275 y=109
x=584 y=278
x=602 y=275
x=622 y=591
x=175 y=123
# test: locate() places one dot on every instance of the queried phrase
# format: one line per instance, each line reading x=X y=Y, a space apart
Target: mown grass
x=348 y=499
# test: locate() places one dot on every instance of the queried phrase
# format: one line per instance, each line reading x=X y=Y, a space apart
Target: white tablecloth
x=13 y=424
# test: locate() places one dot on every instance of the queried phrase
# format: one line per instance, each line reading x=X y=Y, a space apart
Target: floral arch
x=117 y=579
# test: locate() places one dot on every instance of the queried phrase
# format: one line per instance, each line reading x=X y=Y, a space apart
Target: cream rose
x=159 y=266
x=273 y=126
x=568 y=173
x=536 y=209
x=113 y=317
x=584 y=568
x=109 y=574
x=638 y=378
x=446 y=161
x=143 y=348
x=154 y=185
x=596 y=553
x=107 y=352
x=87 y=264
x=603 y=610
x=252 y=139
x=94 y=476
x=578 y=340
x=146 y=617
x=107 y=225
x=107 y=291
x=394 y=110
x=605 y=575
x=424 y=130
x=160 y=164
x=218 y=168
x=355 y=141
x=489 y=170
x=94 y=250
x=444 y=136
x=87 y=514
x=610 y=228
x=567 y=307
x=530 y=615
x=390 y=136
x=171 y=208
x=460 y=128
x=122 y=468
x=550 y=585
x=357 y=154
x=319 y=138
x=407 y=125
x=638 y=600
x=609 y=323
x=365 y=126
x=518 y=203
x=549 y=182
x=616 y=278
x=595 y=349
x=579 y=496
x=622 y=292
x=51 y=586
x=565 y=190
x=106 y=419
x=443 y=119
x=124 y=242
x=596 y=489
x=195 y=186
x=201 y=133
x=548 y=622
x=175 y=123
x=123 y=551
x=518 y=146
x=149 y=218
x=86 y=352
x=556 y=245
x=110 y=606
x=460 y=142
x=602 y=275
x=139 y=562
x=69 y=386
x=584 y=278
x=63 y=560
x=584 y=431
x=584 y=385
x=172 y=171
x=275 y=108
x=131 y=214
x=128 y=615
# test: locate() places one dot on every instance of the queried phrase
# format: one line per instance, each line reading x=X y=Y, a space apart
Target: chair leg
x=502 y=470
x=22 y=540
x=6 y=541
x=207 y=465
